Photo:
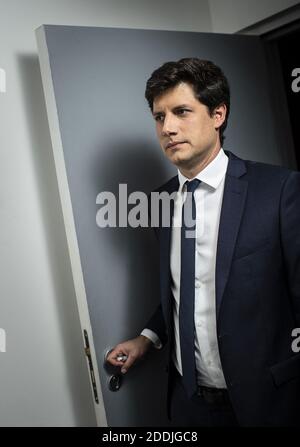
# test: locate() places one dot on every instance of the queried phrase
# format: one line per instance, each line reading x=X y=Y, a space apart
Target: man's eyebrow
x=180 y=106
x=156 y=111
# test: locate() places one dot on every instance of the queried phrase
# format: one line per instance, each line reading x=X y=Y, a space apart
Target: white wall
x=44 y=380
x=230 y=16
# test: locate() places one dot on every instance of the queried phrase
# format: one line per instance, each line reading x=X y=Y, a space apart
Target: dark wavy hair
x=209 y=83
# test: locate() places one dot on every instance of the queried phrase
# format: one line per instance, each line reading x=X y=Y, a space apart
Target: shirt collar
x=212 y=174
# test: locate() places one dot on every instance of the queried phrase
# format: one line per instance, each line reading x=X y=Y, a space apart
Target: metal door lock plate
x=115 y=382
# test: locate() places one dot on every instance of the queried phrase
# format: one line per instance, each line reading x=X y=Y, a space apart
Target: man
x=230 y=294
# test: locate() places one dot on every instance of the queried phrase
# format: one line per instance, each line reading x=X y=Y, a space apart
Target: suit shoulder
x=256 y=168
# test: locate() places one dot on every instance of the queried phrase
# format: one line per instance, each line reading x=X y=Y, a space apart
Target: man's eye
x=159 y=118
x=182 y=111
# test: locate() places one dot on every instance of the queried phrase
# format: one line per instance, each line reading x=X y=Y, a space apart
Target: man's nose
x=170 y=126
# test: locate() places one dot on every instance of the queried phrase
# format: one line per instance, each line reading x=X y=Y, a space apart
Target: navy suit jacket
x=257 y=291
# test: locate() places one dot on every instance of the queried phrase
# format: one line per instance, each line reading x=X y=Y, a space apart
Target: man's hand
x=134 y=349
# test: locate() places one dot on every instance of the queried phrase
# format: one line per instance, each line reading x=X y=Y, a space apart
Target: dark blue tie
x=187 y=289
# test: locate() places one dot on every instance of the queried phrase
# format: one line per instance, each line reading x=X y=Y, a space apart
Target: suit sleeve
x=290 y=236
x=153 y=337
x=157 y=325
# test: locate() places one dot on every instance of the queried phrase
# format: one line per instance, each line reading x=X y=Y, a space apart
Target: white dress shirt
x=208 y=199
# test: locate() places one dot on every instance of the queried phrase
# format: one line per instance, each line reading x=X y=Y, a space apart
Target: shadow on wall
x=142 y=167
x=46 y=184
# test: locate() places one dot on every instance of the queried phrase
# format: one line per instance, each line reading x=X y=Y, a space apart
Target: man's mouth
x=174 y=143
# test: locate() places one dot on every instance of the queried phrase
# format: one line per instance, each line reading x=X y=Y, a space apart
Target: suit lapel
x=234 y=197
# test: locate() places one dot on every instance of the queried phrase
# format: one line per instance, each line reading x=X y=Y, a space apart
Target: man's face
x=187 y=133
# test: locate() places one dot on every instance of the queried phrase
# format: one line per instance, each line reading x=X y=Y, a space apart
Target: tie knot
x=192 y=186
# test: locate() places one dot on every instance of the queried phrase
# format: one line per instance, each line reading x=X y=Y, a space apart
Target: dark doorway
x=288 y=47
x=283 y=45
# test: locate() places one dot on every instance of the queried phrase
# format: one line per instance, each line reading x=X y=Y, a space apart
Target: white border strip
x=68 y=214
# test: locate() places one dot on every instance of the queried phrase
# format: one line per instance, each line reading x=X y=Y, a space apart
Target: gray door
x=103 y=135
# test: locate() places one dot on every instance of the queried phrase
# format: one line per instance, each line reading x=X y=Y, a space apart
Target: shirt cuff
x=153 y=337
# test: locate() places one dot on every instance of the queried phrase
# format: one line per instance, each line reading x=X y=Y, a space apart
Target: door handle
x=119 y=357
x=115 y=379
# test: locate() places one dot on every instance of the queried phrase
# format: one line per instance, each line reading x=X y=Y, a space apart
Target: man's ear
x=220 y=115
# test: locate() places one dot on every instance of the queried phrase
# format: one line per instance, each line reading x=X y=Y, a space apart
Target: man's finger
x=112 y=357
x=129 y=362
